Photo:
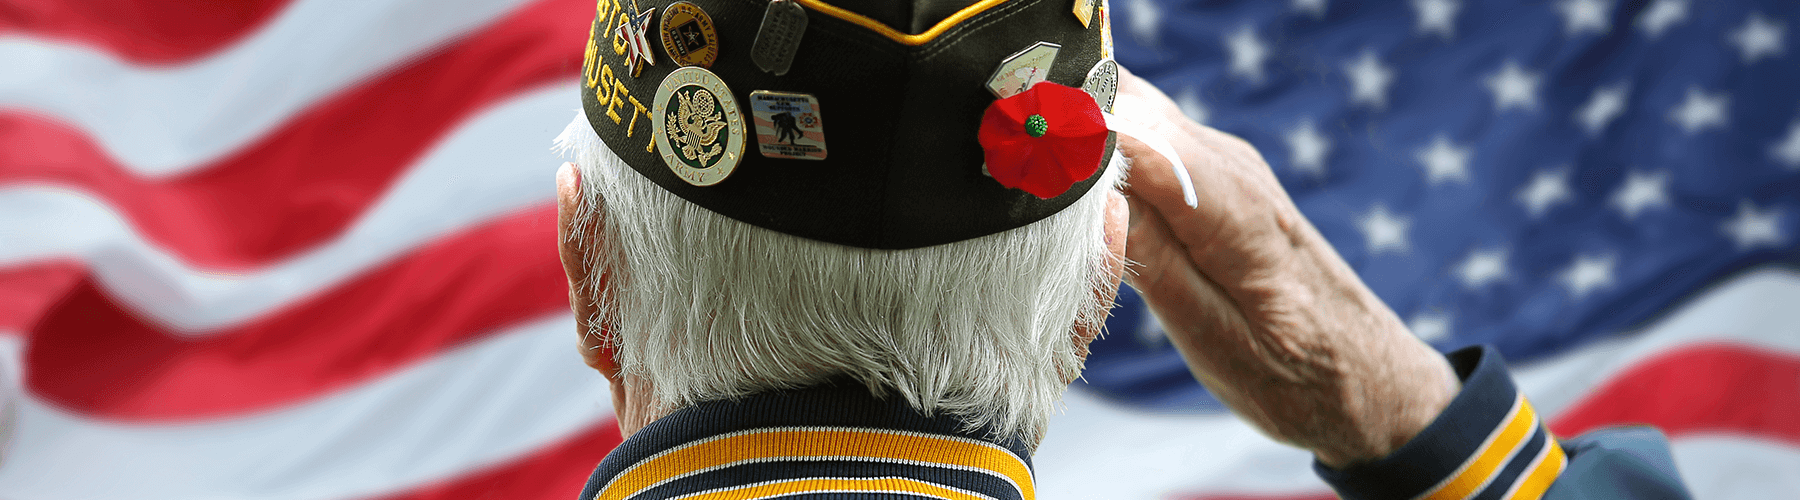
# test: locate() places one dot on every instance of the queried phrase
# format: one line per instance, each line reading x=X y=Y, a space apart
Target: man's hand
x=1265 y=312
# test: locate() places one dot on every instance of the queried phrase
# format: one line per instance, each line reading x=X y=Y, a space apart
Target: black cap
x=872 y=123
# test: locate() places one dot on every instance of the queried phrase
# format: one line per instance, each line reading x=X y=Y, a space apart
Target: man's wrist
x=1487 y=438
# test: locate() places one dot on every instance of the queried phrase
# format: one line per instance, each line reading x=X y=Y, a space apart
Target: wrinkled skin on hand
x=1265 y=312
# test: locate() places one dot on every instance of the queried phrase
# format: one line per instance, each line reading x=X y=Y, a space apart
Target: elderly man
x=891 y=301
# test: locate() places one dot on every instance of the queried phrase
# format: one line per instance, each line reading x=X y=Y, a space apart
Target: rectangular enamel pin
x=788 y=125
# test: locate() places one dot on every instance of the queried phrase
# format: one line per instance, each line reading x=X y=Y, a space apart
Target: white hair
x=705 y=307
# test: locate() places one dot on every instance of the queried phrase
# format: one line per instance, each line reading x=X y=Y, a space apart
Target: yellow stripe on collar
x=896 y=35
x=835 y=485
x=1550 y=464
x=820 y=443
x=1502 y=444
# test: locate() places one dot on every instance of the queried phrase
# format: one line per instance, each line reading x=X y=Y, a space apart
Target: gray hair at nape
x=705 y=307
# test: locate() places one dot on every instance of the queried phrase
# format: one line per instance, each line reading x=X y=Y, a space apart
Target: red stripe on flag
x=27 y=291
x=95 y=357
x=143 y=31
x=1730 y=389
x=307 y=181
x=552 y=473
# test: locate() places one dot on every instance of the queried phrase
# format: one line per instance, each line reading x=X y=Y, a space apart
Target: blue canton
x=1530 y=175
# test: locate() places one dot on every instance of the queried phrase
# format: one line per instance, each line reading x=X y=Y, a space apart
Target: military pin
x=1103 y=83
x=1084 y=10
x=688 y=35
x=788 y=125
x=635 y=34
x=1026 y=68
x=699 y=129
x=779 y=36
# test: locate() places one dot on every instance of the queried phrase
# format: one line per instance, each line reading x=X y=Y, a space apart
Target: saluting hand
x=1265 y=312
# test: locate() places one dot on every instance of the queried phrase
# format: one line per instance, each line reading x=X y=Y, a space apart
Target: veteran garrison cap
x=885 y=124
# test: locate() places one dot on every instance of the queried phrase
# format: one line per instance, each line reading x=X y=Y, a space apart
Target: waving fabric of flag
x=304 y=249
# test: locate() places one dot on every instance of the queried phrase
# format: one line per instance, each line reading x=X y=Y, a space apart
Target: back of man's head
x=913 y=195
x=704 y=307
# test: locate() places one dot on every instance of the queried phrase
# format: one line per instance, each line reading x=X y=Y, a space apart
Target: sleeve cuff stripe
x=1501 y=445
x=1543 y=471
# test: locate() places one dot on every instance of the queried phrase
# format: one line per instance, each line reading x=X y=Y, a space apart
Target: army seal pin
x=699 y=128
x=688 y=35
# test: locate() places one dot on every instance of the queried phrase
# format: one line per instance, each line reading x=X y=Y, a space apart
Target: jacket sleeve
x=1490 y=444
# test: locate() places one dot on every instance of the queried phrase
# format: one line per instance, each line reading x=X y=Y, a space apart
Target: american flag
x=303 y=249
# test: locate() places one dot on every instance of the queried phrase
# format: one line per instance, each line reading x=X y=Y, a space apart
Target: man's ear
x=573 y=249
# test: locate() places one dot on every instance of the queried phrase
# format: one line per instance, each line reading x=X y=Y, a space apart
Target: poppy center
x=1036 y=126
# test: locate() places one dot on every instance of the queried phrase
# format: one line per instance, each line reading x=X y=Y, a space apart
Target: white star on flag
x=1247 y=54
x=1788 y=150
x=1759 y=37
x=1430 y=326
x=1640 y=192
x=1606 y=104
x=1444 y=161
x=1146 y=20
x=1384 y=231
x=1547 y=189
x=1314 y=7
x=1585 y=16
x=1700 y=111
x=1437 y=16
x=1661 y=16
x=1189 y=102
x=1482 y=267
x=1307 y=149
x=1589 y=273
x=1751 y=228
x=1513 y=87
x=1369 y=80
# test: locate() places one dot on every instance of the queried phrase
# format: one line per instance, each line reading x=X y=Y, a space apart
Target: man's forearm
x=1315 y=359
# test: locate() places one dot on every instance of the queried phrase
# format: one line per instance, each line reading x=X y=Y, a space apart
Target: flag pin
x=1022 y=70
x=635 y=34
x=699 y=128
x=688 y=35
x=788 y=125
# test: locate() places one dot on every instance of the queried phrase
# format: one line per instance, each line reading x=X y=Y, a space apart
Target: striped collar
x=834 y=439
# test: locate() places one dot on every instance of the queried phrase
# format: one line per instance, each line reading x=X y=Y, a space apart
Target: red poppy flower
x=1043 y=140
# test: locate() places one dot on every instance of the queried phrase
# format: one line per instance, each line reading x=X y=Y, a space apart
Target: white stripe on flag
x=496 y=163
x=1731 y=467
x=512 y=393
x=163 y=121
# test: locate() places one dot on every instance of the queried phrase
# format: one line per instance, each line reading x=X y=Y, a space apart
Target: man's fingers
x=1202 y=320
x=1237 y=194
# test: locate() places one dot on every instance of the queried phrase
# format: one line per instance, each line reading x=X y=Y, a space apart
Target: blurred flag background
x=303 y=249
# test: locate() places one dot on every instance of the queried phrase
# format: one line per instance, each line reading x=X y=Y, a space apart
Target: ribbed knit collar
x=833 y=438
